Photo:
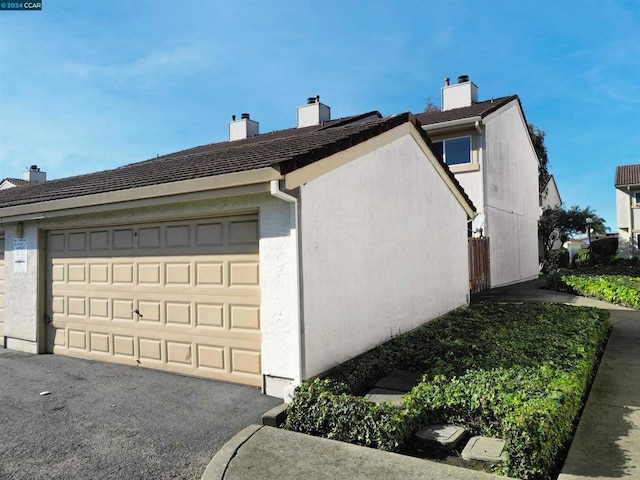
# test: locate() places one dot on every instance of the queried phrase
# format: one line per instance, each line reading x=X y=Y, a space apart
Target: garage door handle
x=137 y=312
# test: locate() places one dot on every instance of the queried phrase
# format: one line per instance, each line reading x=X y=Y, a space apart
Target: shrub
x=582 y=258
x=556 y=259
x=514 y=371
x=604 y=250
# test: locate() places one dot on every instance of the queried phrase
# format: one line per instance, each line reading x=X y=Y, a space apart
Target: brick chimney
x=462 y=94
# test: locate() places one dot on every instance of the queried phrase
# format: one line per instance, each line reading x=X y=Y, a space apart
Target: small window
x=636 y=199
x=456 y=151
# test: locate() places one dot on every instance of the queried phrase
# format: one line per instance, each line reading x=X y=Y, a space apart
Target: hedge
x=519 y=372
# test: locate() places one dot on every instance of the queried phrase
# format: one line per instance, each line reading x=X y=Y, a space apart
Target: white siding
x=511 y=197
x=384 y=249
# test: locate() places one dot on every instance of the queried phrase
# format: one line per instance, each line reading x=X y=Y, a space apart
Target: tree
x=558 y=224
x=431 y=107
x=537 y=138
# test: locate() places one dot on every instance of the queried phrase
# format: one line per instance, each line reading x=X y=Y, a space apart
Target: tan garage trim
x=178 y=296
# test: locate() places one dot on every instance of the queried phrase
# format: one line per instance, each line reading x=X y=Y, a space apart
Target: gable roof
x=16 y=182
x=480 y=109
x=627 y=175
x=284 y=151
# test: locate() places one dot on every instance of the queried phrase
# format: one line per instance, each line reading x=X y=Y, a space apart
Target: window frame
x=444 y=141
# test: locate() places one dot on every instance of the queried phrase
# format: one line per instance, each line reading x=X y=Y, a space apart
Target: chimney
x=243 y=128
x=33 y=174
x=313 y=113
x=462 y=94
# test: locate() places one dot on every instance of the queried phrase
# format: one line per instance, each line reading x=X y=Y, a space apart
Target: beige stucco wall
x=278 y=274
x=511 y=197
x=384 y=249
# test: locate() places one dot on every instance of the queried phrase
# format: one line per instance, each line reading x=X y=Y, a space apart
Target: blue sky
x=87 y=86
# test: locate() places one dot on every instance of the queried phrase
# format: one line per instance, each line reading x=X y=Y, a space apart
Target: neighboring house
x=550 y=195
x=627 y=183
x=33 y=174
x=265 y=260
x=574 y=245
x=549 y=198
x=488 y=147
x=11 y=182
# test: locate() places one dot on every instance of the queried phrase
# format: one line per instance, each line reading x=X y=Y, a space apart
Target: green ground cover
x=619 y=284
x=514 y=371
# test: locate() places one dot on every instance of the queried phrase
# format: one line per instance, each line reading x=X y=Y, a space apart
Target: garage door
x=1 y=287
x=177 y=296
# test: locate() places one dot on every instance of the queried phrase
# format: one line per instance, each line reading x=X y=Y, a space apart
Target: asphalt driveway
x=104 y=421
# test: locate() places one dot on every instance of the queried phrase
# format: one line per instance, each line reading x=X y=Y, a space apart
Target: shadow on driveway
x=104 y=421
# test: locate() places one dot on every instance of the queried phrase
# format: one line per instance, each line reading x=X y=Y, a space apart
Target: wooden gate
x=479 y=271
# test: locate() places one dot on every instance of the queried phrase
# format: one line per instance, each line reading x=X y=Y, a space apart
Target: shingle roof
x=285 y=150
x=628 y=175
x=16 y=181
x=480 y=109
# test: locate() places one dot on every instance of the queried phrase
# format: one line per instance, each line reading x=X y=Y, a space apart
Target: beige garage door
x=1 y=287
x=181 y=296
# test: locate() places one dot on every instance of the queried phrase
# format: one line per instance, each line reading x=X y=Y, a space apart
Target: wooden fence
x=479 y=264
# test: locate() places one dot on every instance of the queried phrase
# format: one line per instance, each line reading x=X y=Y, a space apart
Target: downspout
x=276 y=192
x=632 y=248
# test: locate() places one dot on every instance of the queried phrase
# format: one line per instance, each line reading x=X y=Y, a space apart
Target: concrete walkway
x=606 y=444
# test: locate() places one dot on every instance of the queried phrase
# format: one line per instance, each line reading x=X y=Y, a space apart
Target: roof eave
x=461 y=122
x=133 y=197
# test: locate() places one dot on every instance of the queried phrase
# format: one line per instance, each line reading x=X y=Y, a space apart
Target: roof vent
x=33 y=174
x=243 y=128
x=313 y=113
x=462 y=94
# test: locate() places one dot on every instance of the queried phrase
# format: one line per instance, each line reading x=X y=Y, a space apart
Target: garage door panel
x=245 y=361
x=99 y=342
x=182 y=297
x=76 y=339
x=124 y=346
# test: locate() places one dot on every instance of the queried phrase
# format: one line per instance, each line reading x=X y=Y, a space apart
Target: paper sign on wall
x=20 y=255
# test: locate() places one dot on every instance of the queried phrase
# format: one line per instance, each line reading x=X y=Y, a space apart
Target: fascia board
x=462 y=122
x=221 y=185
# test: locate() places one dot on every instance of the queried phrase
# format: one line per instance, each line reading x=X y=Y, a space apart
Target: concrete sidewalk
x=268 y=453
x=606 y=444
